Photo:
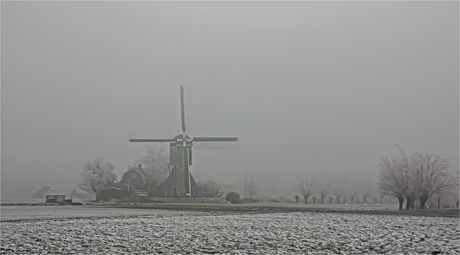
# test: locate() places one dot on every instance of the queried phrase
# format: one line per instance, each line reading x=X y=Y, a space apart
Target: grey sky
x=307 y=86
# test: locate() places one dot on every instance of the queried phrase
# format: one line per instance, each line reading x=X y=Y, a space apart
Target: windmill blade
x=216 y=146
x=151 y=140
x=215 y=139
x=182 y=107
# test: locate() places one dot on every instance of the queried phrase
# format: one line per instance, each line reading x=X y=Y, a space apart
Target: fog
x=306 y=86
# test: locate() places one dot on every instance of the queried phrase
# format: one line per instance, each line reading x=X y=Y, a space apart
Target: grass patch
x=277 y=207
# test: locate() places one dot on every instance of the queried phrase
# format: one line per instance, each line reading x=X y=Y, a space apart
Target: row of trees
x=416 y=177
x=325 y=187
x=408 y=178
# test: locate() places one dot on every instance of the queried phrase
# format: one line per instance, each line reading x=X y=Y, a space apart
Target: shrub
x=233 y=198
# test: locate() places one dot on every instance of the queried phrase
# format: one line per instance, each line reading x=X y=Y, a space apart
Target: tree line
x=338 y=189
x=413 y=178
x=409 y=179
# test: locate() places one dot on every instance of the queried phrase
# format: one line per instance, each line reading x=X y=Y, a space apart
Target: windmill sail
x=181 y=181
x=151 y=140
x=182 y=110
x=215 y=143
x=216 y=146
x=215 y=139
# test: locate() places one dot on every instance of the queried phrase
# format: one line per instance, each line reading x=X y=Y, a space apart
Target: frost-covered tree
x=366 y=190
x=393 y=179
x=155 y=166
x=252 y=187
x=339 y=191
x=451 y=195
x=353 y=195
x=381 y=196
x=97 y=175
x=324 y=187
x=429 y=173
x=305 y=186
x=340 y=187
x=454 y=192
x=210 y=189
x=417 y=176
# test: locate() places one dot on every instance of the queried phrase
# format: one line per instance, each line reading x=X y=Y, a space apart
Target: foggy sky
x=307 y=86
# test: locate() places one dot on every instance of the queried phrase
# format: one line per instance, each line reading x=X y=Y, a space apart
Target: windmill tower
x=180 y=181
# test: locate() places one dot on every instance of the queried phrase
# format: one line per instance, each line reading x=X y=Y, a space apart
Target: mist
x=308 y=87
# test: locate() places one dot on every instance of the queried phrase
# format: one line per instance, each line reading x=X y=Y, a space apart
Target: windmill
x=180 y=181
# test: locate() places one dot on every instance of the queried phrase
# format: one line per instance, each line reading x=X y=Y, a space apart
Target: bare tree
x=411 y=194
x=338 y=187
x=353 y=195
x=411 y=188
x=365 y=193
x=381 y=196
x=417 y=176
x=453 y=193
x=346 y=192
x=306 y=188
x=429 y=174
x=338 y=193
x=324 y=187
x=97 y=175
x=393 y=179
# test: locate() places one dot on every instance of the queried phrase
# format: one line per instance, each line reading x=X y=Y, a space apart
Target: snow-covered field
x=126 y=232
x=15 y=213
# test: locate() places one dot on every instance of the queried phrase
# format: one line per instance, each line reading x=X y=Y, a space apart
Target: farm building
x=133 y=184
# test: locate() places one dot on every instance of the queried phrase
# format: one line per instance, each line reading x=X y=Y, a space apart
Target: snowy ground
x=198 y=233
x=15 y=213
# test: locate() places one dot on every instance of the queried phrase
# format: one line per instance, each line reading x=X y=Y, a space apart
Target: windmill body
x=180 y=181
